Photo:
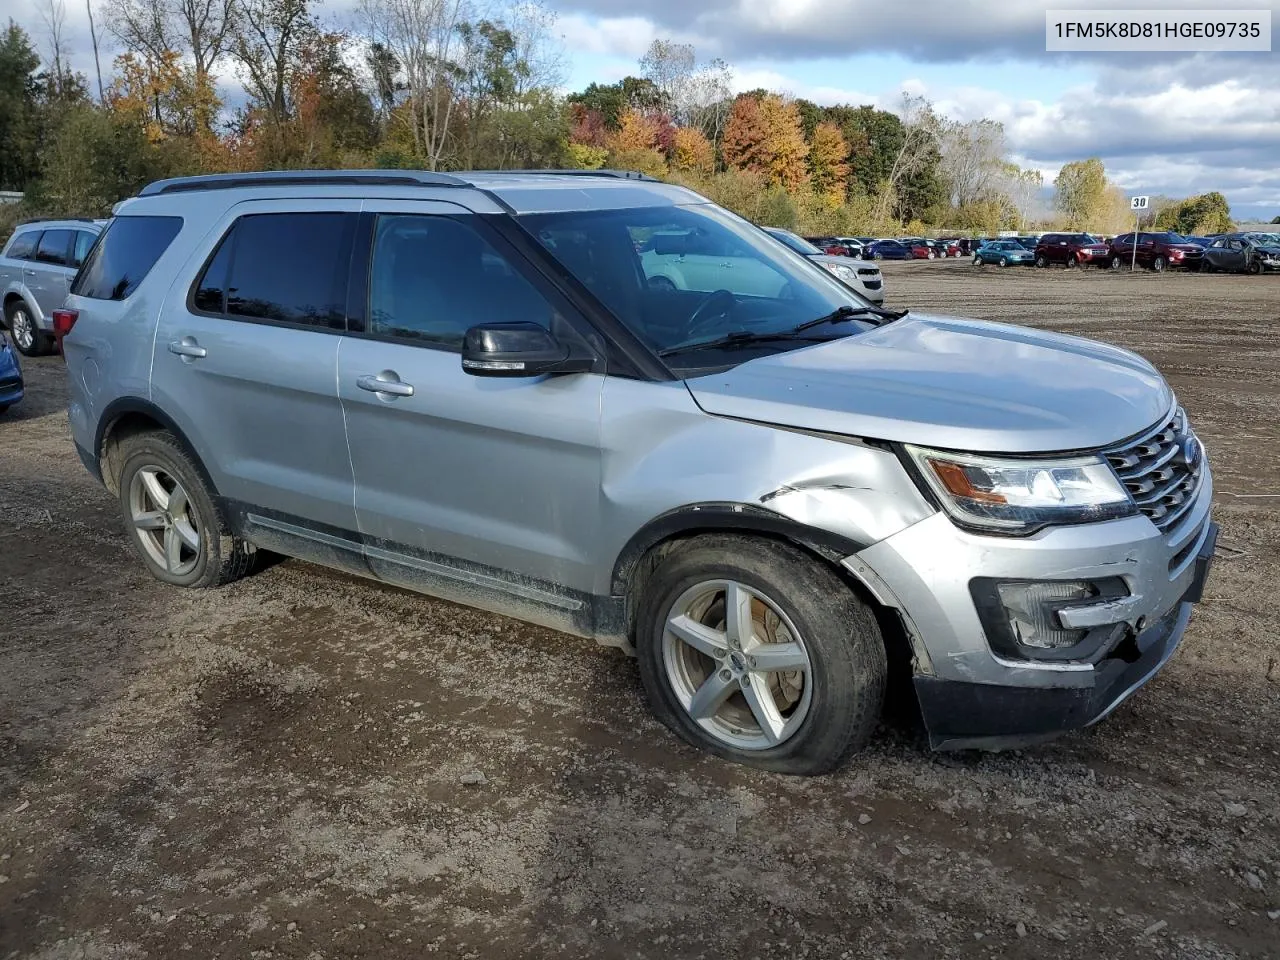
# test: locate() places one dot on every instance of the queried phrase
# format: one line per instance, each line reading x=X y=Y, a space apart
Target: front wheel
x=1255 y=267
x=1158 y=264
x=1072 y=263
x=877 y=256
x=1042 y=261
x=758 y=653
x=1004 y=261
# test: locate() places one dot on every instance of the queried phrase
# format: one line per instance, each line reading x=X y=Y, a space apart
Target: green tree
x=92 y=159
x=810 y=116
x=1206 y=213
x=19 y=112
x=1082 y=192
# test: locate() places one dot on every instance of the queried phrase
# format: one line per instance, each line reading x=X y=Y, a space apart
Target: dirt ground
x=308 y=765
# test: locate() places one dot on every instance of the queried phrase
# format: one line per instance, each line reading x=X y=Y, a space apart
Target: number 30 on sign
x=1139 y=203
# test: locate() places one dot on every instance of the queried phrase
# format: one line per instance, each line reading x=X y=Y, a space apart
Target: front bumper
x=971 y=696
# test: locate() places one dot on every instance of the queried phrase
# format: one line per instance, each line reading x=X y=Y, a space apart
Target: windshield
x=798 y=244
x=678 y=274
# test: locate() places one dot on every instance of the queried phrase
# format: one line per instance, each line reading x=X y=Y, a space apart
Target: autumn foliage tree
x=829 y=163
x=744 y=135
x=692 y=152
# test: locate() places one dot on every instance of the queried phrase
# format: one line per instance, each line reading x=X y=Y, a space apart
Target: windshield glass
x=678 y=274
x=798 y=244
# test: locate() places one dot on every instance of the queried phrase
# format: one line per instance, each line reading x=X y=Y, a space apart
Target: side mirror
x=520 y=348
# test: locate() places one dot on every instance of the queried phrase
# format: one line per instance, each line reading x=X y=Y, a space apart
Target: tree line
x=433 y=84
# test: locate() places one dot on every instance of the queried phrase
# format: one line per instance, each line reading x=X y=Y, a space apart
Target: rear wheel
x=170 y=515
x=1206 y=266
x=756 y=652
x=1116 y=263
x=877 y=256
x=30 y=340
x=977 y=261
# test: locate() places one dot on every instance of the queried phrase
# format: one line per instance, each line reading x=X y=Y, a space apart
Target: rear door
x=476 y=482
x=49 y=273
x=247 y=354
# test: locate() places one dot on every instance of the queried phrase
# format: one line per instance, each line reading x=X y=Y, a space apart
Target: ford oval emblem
x=1190 y=450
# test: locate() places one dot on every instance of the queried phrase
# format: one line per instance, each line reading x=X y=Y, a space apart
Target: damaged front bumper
x=973 y=692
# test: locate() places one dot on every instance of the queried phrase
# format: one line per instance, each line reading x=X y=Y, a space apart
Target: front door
x=246 y=359
x=485 y=484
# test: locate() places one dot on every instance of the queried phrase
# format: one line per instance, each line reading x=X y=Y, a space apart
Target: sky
x=1174 y=124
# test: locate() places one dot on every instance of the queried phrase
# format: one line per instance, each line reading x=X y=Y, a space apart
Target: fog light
x=1032 y=611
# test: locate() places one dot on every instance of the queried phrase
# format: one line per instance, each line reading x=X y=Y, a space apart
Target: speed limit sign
x=1139 y=203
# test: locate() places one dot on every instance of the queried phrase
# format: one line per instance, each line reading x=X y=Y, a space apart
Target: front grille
x=872 y=284
x=1158 y=473
x=868 y=272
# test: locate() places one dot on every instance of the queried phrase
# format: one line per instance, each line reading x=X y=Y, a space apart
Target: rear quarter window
x=125 y=254
x=22 y=246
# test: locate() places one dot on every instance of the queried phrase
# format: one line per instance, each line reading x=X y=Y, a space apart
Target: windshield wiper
x=840 y=314
x=737 y=338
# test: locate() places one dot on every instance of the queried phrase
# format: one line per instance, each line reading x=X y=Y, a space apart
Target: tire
x=977 y=261
x=665 y=284
x=4 y=407
x=1255 y=267
x=30 y=340
x=1072 y=262
x=217 y=557
x=830 y=705
x=1115 y=263
x=1004 y=261
x=1041 y=262
x=1206 y=266
x=1158 y=264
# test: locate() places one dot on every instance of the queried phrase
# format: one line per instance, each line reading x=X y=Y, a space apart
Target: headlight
x=844 y=273
x=1009 y=495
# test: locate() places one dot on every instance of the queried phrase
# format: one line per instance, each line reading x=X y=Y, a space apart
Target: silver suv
x=468 y=385
x=36 y=268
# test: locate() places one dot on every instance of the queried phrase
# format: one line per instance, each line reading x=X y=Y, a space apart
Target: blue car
x=887 y=250
x=10 y=375
x=1003 y=253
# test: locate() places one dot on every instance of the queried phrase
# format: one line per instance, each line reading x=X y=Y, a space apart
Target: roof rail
x=615 y=174
x=31 y=220
x=311 y=178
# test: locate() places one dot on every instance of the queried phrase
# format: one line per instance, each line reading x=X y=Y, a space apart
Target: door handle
x=27 y=271
x=387 y=384
x=187 y=348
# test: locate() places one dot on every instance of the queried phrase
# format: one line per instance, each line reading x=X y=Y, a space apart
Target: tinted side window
x=290 y=267
x=54 y=246
x=84 y=242
x=23 y=245
x=210 y=295
x=129 y=248
x=434 y=278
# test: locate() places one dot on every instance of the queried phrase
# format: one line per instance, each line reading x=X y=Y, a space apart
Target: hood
x=951 y=383
x=857 y=263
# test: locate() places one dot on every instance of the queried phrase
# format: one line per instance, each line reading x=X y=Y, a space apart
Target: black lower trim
x=982 y=716
x=90 y=462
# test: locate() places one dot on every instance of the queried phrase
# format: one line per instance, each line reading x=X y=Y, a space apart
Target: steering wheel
x=714 y=306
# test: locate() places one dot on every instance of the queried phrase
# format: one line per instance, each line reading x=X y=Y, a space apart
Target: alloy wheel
x=23 y=330
x=737 y=665
x=164 y=520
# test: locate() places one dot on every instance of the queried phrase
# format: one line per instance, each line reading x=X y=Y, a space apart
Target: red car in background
x=1156 y=251
x=1071 y=249
x=835 y=247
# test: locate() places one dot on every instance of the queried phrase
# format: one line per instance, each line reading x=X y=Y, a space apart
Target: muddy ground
x=284 y=768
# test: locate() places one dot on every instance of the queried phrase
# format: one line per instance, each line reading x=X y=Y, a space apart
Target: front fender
x=20 y=290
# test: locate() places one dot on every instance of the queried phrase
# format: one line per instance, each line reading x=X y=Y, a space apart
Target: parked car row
x=1238 y=252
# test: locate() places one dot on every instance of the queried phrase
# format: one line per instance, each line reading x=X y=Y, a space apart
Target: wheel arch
x=128 y=416
x=646 y=549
